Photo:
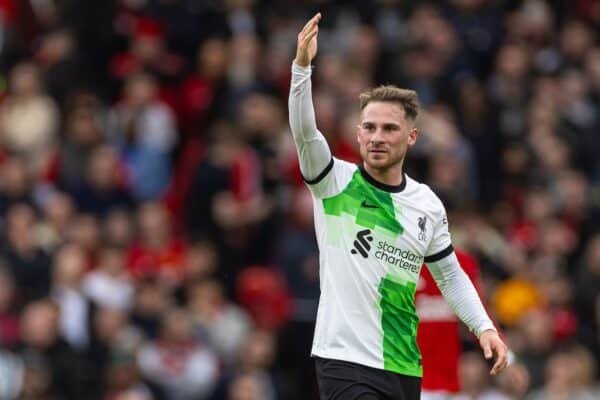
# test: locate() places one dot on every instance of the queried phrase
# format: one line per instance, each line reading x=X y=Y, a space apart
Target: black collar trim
x=383 y=186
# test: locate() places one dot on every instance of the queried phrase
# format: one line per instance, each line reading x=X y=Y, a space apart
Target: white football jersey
x=373 y=239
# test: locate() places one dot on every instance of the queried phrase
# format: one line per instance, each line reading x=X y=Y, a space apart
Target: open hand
x=307 y=42
x=491 y=344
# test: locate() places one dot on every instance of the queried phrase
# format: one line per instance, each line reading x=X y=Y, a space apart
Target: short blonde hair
x=408 y=99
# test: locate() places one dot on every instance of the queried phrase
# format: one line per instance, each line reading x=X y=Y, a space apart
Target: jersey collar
x=383 y=186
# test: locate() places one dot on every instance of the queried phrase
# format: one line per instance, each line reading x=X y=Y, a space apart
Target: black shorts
x=342 y=380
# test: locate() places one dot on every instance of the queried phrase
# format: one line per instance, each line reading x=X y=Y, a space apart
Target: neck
x=392 y=176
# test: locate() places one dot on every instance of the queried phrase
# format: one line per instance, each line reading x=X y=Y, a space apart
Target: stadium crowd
x=157 y=239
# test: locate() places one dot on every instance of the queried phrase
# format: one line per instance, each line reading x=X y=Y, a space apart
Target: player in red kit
x=438 y=333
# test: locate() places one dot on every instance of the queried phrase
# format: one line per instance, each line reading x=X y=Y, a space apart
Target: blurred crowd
x=157 y=240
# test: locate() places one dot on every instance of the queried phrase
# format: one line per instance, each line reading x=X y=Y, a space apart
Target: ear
x=358 y=134
x=412 y=137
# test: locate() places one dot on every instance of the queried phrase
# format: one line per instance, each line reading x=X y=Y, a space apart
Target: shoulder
x=343 y=164
x=333 y=179
x=424 y=195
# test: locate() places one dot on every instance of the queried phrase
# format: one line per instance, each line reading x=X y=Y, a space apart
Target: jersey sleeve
x=313 y=151
x=440 y=245
x=332 y=180
x=460 y=293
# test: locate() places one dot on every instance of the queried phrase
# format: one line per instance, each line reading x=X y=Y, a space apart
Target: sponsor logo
x=386 y=252
x=361 y=243
x=402 y=258
x=364 y=204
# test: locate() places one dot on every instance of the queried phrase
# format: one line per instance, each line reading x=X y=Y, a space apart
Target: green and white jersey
x=373 y=239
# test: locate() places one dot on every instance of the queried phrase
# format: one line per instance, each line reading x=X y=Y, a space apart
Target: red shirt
x=438 y=334
x=145 y=262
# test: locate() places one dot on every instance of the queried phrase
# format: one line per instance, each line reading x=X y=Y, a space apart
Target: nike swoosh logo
x=367 y=205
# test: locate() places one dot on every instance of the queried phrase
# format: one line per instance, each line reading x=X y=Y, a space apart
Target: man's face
x=384 y=134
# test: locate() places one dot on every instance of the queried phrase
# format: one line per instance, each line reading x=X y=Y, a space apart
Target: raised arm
x=313 y=151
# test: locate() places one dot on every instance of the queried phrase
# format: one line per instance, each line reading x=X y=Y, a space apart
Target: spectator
x=101 y=191
x=118 y=228
x=158 y=253
x=109 y=285
x=58 y=213
x=248 y=387
x=83 y=133
x=16 y=185
x=71 y=374
x=568 y=375
x=28 y=264
x=474 y=379
x=255 y=359
x=28 y=118
x=177 y=363
x=202 y=261
x=538 y=341
x=225 y=324
x=67 y=291
x=144 y=130
x=152 y=300
x=204 y=92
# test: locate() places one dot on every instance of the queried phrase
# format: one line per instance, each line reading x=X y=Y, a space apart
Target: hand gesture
x=307 y=42
x=491 y=344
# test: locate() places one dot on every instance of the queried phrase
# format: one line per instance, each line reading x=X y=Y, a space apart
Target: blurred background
x=157 y=240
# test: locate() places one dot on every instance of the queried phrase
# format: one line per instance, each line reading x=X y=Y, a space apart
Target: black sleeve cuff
x=322 y=175
x=438 y=256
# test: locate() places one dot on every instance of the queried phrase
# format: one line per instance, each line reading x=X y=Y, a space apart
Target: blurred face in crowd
x=384 y=135
x=560 y=371
x=25 y=80
x=59 y=210
x=151 y=299
x=201 y=260
x=83 y=126
x=261 y=114
x=20 y=221
x=212 y=58
x=54 y=47
x=246 y=387
x=176 y=326
x=472 y=372
x=85 y=232
x=140 y=90
x=512 y=62
x=102 y=168
x=108 y=323
x=154 y=224
x=69 y=266
x=112 y=261
x=575 y=39
x=206 y=298
x=14 y=182
x=537 y=327
x=118 y=228
x=258 y=351
x=573 y=87
x=39 y=324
